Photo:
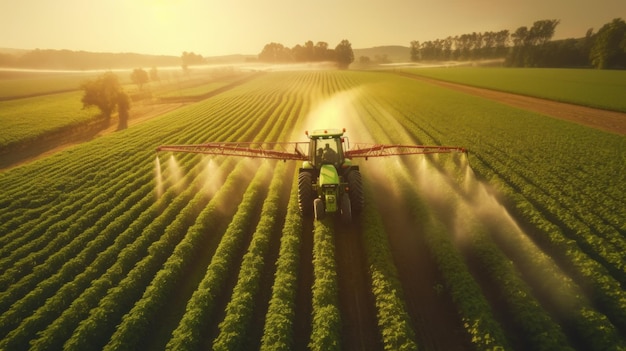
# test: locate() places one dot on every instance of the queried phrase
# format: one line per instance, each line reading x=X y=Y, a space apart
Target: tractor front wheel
x=346 y=209
x=305 y=193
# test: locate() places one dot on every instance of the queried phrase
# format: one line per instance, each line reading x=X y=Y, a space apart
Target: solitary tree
x=139 y=77
x=415 y=50
x=188 y=59
x=123 y=105
x=344 y=54
x=106 y=93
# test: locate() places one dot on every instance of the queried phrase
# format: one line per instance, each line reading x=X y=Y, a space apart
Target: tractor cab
x=326 y=146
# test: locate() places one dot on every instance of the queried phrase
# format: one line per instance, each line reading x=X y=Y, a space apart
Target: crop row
x=393 y=320
x=591 y=323
x=326 y=323
x=93 y=258
x=134 y=324
x=138 y=195
x=474 y=311
x=278 y=329
x=241 y=306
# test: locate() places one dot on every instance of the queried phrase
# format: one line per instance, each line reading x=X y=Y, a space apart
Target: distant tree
x=321 y=52
x=609 y=45
x=344 y=54
x=543 y=31
x=123 y=107
x=189 y=59
x=275 y=53
x=364 y=60
x=106 y=93
x=309 y=50
x=139 y=77
x=304 y=53
x=415 y=50
x=529 y=45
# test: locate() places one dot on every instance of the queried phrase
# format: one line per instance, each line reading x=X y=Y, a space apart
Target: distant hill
x=393 y=53
x=83 y=60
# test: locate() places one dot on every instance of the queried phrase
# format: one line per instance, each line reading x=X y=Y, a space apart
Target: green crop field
x=518 y=245
x=30 y=83
x=29 y=118
x=604 y=89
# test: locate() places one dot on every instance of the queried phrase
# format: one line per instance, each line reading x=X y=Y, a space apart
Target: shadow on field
x=29 y=150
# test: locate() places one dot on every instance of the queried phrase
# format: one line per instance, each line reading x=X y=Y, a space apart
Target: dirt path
x=609 y=121
x=356 y=301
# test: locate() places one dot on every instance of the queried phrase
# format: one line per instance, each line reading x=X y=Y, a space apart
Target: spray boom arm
x=293 y=150
x=277 y=150
x=380 y=150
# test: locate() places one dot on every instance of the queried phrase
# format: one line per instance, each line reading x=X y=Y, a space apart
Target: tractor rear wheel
x=356 y=191
x=305 y=193
x=346 y=209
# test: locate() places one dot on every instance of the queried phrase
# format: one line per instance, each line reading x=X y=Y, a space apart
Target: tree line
x=531 y=47
x=342 y=54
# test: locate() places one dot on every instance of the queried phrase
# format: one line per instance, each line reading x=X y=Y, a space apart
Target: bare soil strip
x=608 y=121
x=359 y=327
x=433 y=313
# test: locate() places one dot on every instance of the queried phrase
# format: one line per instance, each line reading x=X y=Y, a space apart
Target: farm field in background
x=24 y=83
x=520 y=245
x=34 y=108
x=603 y=89
x=29 y=118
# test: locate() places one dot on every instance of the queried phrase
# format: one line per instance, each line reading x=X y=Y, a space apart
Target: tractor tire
x=320 y=209
x=346 y=209
x=305 y=193
x=356 y=191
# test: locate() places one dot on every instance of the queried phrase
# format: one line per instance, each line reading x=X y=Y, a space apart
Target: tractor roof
x=325 y=133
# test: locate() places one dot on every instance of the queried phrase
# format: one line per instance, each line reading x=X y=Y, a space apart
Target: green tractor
x=328 y=182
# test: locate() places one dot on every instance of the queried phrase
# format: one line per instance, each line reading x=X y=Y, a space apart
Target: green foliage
x=91 y=257
x=593 y=88
x=393 y=320
x=233 y=335
x=278 y=330
x=609 y=46
x=325 y=334
x=102 y=92
x=26 y=120
x=343 y=54
x=140 y=76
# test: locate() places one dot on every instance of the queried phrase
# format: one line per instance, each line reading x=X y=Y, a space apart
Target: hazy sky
x=221 y=27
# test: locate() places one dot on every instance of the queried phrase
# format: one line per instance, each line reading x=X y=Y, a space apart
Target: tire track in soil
x=433 y=313
x=356 y=301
